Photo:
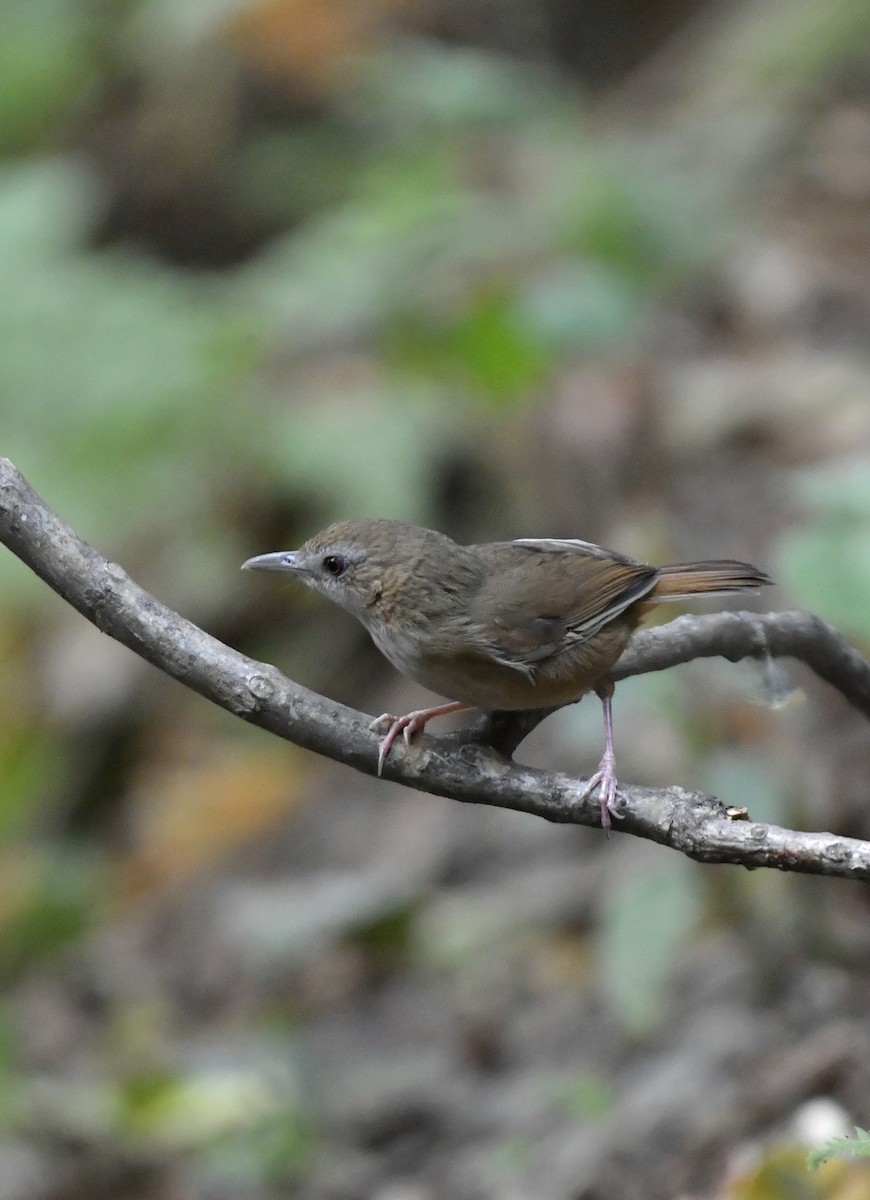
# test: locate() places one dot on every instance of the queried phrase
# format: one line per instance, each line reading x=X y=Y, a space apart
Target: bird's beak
x=284 y=560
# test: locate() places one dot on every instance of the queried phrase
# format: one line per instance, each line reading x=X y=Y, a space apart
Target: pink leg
x=605 y=777
x=410 y=724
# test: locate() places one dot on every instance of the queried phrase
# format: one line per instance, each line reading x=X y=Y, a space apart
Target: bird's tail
x=716 y=578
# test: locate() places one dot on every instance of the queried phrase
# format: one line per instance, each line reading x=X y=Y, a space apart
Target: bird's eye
x=333 y=565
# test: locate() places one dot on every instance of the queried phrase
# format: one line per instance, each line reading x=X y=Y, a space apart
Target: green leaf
x=46 y=64
x=493 y=350
x=488 y=350
x=841 y=1147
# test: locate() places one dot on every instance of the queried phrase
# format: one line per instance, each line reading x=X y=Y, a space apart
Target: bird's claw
x=604 y=781
x=407 y=726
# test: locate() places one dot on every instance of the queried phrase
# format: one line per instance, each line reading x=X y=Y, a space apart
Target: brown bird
x=533 y=623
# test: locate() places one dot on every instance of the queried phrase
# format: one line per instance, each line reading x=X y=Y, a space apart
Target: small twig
x=697 y=825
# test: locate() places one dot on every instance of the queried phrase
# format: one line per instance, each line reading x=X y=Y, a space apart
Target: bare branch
x=454 y=766
x=737 y=635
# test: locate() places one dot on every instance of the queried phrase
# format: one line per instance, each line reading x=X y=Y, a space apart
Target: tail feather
x=715 y=578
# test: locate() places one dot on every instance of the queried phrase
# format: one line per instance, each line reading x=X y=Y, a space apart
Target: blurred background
x=509 y=269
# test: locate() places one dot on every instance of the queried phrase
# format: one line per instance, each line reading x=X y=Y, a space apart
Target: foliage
x=47 y=61
x=112 y=371
x=841 y=1147
x=48 y=899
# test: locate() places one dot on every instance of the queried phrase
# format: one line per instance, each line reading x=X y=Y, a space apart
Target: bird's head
x=353 y=562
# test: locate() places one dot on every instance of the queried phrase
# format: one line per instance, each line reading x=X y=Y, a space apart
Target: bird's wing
x=539 y=597
x=575 y=545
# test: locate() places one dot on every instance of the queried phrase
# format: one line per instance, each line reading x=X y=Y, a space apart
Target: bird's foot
x=408 y=725
x=604 y=781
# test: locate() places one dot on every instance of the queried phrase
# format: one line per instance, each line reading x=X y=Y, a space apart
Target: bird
x=500 y=626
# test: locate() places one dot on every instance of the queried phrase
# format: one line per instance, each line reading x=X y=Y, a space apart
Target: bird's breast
x=465 y=673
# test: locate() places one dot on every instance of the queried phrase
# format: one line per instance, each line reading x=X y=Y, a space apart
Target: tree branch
x=457 y=766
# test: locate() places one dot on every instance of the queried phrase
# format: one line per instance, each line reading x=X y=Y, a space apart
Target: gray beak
x=284 y=560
